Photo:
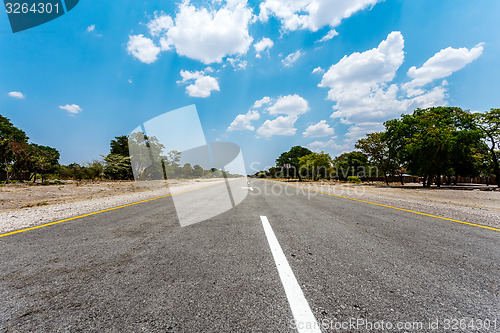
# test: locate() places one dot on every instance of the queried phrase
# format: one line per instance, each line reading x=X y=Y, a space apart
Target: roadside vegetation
x=24 y=161
x=435 y=145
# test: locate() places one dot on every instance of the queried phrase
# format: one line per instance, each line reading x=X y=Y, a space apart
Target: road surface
x=135 y=269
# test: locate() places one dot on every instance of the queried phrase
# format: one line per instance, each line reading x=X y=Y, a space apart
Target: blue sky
x=107 y=66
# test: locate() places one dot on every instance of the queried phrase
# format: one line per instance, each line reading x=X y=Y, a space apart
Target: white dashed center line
x=304 y=319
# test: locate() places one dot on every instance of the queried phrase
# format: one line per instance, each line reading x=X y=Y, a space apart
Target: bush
x=353 y=179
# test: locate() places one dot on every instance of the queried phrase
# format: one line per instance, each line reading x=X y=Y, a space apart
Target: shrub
x=353 y=179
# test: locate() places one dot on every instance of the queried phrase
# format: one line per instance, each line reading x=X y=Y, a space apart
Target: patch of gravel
x=16 y=219
x=478 y=207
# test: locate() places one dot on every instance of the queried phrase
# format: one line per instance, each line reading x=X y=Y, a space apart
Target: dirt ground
x=473 y=196
x=16 y=196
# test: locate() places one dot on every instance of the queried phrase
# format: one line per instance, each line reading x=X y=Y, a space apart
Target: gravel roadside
x=15 y=219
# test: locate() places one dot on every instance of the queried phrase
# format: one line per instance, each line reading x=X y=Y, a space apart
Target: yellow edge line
x=381 y=205
x=98 y=212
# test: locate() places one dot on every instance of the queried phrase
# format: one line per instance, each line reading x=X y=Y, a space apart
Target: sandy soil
x=24 y=206
x=15 y=196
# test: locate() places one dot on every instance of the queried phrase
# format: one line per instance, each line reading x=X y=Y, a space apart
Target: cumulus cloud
x=206 y=35
x=244 y=121
x=361 y=89
x=358 y=83
x=72 y=109
x=16 y=94
x=283 y=125
x=291 y=105
x=364 y=95
x=161 y=23
x=311 y=14
x=199 y=84
x=371 y=68
x=91 y=28
x=264 y=44
x=292 y=58
x=442 y=64
x=143 y=48
x=318 y=130
x=261 y=102
x=332 y=33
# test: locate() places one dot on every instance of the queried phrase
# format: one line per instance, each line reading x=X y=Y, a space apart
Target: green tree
x=117 y=167
x=292 y=157
x=316 y=165
x=119 y=145
x=13 y=145
x=377 y=150
x=489 y=124
x=146 y=156
x=354 y=163
x=430 y=141
x=117 y=162
x=44 y=160
x=94 y=170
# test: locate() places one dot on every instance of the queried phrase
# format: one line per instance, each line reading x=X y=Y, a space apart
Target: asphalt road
x=135 y=269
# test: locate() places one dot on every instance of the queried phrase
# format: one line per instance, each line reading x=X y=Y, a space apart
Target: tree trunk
x=496 y=167
x=438 y=181
x=401 y=179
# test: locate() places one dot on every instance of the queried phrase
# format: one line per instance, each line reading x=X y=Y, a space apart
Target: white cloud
x=199 y=84
x=243 y=121
x=371 y=68
x=358 y=131
x=237 y=63
x=130 y=81
x=361 y=87
x=333 y=144
x=319 y=130
x=311 y=14
x=161 y=23
x=442 y=64
x=261 y=102
x=291 y=105
x=91 y=28
x=318 y=70
x=17 y=94
x=261 y=46
x=206 y=35
x=72 y=109
x=143 y=48
x=283 y=125
x=358 y=83
x=292 y=58
x=332 y=33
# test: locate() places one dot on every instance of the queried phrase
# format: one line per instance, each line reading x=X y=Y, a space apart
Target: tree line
x=436 y=144
x=23 y=160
